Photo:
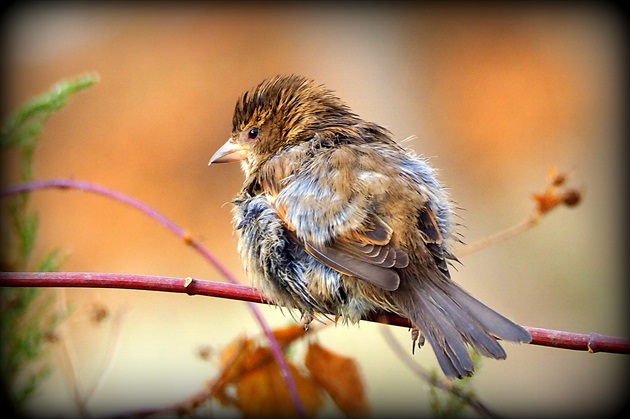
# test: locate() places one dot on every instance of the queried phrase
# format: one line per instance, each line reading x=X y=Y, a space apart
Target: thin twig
x=81 y=398
x=113 y=347
x=69 y=359
x=556 y=194
x=530 y=221
x=432 y=379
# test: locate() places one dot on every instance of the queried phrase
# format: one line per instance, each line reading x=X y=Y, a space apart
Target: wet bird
x=336 y=218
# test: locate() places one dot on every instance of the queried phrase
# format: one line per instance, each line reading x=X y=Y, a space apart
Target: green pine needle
x=27 y=318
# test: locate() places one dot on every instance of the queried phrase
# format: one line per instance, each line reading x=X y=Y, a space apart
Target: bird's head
x=281 y=112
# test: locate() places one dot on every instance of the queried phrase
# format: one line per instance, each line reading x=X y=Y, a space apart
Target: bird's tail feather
x=451 y=319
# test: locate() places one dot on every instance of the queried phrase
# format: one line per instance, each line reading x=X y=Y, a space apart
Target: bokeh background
x=494 y=95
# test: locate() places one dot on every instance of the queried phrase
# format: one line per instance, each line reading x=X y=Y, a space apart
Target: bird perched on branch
x=335 y=217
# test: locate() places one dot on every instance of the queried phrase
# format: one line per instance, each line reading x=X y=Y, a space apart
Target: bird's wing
x=432 y=238
x=357 y=257
x=325 y=212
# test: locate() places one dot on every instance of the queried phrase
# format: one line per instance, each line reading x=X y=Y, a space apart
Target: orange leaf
x=232 y=361
x=247 y=365
x=551 y=198
x=288 y=334
x=547 y=201
x=263 y=393
x=341 y=379
x=234 y=357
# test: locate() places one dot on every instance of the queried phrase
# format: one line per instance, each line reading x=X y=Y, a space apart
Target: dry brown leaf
x=99 y=312
x=288 y=334
x=260 y=387
x=552 y=197
x=263 y=393
x=232 y=361
x=548 y=200
x=339 y=376
x=571 y=197
x=233 y=358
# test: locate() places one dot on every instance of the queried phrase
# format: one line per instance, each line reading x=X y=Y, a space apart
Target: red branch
x=593 y=342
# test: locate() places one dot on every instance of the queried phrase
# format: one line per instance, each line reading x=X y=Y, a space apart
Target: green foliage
x=26 y=326
x=20 y=133
x=23 y=127
x=452 y=404
x=27 y=319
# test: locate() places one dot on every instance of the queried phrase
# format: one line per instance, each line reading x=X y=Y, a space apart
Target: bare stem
x=530 y=221
x=69 y=360
x=556 y=194
x=432 y=379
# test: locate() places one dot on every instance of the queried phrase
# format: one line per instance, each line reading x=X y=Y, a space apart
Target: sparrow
x=335 y=218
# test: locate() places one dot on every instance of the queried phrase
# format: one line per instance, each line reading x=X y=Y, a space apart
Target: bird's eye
x=253 y=133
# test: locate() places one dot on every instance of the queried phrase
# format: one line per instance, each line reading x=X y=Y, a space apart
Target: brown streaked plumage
x=335 y=217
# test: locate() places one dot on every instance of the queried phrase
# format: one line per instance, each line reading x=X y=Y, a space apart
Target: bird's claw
x=416 y=336
x=306 y=321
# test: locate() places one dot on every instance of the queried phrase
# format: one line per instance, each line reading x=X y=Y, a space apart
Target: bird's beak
x=228 y=153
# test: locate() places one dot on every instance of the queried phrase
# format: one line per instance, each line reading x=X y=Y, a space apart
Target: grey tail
x=451 y=319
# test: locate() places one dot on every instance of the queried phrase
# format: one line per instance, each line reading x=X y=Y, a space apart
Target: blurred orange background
x=494 y=95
